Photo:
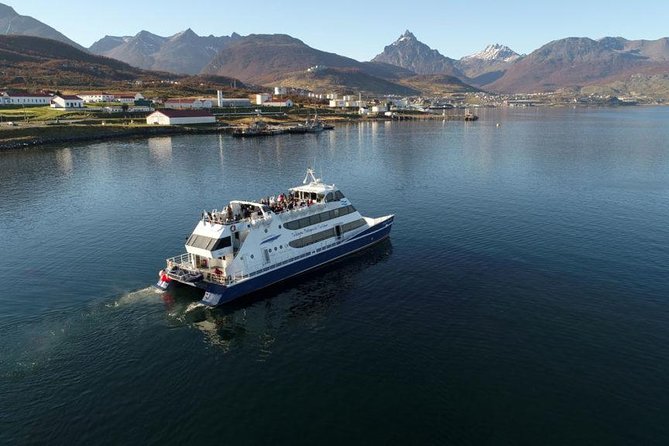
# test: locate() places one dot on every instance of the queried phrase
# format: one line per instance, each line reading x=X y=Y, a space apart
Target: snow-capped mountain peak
x=407 y=36
x=495 y=52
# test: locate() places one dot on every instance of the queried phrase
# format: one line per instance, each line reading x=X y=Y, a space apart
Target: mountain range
x=405 y=67
x=182 y=53
x=34 y=62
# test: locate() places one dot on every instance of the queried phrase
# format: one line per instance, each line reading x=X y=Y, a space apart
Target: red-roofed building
x=177 y=117
x=67 y=101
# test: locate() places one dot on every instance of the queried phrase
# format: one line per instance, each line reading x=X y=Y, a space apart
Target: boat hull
x=216 y=294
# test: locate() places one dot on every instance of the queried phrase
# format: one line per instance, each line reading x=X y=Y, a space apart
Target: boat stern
x=163 y=281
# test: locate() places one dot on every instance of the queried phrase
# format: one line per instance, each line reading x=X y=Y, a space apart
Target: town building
x=341 y=103
x=67 y=101
x=231 y=102
x=235 y=102
x=188 y=103
x=96 y=96
x=180 y=117
x=261 y=98
x=9 y=98
x=286 y=103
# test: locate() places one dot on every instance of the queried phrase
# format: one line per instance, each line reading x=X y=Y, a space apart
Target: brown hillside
x=577 y=62
x=437 y=84
x=38 y=62
x=345 y=80
x=268 y=58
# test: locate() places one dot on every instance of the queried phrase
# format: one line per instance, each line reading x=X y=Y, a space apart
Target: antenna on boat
x=310 y=173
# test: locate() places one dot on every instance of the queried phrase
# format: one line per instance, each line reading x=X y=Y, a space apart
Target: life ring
x=233 y=228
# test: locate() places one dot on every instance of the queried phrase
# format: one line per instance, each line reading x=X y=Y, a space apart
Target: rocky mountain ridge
x=494 y=53
x=12 y=23
x=183 y=53
x=410 y=53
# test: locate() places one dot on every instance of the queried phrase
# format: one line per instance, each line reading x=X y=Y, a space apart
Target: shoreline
x=70 y=134
x=38 y=135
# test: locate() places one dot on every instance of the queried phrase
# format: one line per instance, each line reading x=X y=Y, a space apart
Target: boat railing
x=219 y=218
x=302 y=211
x=182 y=261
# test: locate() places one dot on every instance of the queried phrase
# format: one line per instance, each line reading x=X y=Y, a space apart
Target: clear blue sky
x=361 y=28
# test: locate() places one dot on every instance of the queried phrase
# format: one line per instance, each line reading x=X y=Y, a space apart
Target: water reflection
x=259 y=319
x=64 y=161
x=161 y=149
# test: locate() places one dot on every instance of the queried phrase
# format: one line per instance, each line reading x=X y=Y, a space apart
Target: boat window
x=208 y=243
x=338 y=195
x=329 y=197
x=318 y=218
x=311 y=239
x=353 y=225
x=222 y=243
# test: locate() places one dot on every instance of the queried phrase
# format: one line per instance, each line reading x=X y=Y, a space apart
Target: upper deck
x=313 y=193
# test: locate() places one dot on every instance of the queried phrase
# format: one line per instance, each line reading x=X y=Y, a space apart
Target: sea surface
x=522 y=298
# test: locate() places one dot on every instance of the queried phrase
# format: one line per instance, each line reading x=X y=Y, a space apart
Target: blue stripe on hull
x=219 y=294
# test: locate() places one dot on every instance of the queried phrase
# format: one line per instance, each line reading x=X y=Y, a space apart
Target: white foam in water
x=134 y=297
x=194 y=306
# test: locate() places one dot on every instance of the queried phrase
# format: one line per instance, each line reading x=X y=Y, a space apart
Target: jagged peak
x=407 y=36
x=146 y=34
x=185 y=34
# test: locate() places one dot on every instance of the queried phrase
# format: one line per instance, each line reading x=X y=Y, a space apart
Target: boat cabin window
x=318 y=218
x=338 y=195
x=208 y=243
x=314 y=238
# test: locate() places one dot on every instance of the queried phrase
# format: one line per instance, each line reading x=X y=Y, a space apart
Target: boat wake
x=133 y=297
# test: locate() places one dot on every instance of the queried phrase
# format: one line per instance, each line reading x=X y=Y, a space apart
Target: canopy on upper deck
x=315 y=185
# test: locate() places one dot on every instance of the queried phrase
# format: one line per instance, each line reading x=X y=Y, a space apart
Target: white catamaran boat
x=251 y=245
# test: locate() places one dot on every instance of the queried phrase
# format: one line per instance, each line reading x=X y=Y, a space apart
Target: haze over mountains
x=406 y=66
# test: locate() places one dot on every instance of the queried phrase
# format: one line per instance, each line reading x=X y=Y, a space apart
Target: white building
x=261 y=98
x=125 y=99
x=188 y=103
x=286 y=103
x=177 y=117
x=67 y=101
x=235 y=102
x=280 y=90
x=341 y=103
x=96 y=97
x=25 y=99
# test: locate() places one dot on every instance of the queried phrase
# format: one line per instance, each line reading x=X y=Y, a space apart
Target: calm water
x=522 y=297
